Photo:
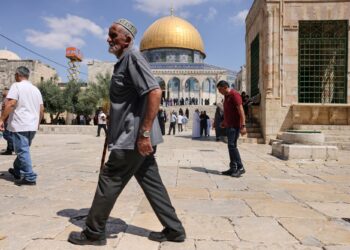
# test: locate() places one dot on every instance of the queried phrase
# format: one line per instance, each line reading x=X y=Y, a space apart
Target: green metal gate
x=323 y=64
x=254 y=67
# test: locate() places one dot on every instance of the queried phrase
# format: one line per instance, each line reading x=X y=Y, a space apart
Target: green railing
x=254 y=67
x=323 y=54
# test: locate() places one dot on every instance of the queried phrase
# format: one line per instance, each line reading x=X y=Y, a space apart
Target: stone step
x=322 y=127
x=254 y=130
x=337 y=138
x=251 y=140
x=254 y=135
x=340 y=145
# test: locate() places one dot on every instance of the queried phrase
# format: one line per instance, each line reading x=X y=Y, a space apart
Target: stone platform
x=277 y=204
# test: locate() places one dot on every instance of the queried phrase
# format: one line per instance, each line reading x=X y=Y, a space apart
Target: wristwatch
x=145 y=133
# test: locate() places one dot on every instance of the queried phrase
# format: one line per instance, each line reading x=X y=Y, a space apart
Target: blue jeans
x=23 y=162
x=8 y=138
x=235 y=158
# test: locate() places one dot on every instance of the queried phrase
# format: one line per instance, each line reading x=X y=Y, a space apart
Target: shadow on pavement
x=114 y=226
x=4 y=175
x=203 y=170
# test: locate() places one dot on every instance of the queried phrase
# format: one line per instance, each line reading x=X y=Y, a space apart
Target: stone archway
x=174 y=88
x=192 y=89
x=209 y=91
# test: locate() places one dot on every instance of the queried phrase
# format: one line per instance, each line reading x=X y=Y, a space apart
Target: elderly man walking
x=24 y=109
x=132 y=138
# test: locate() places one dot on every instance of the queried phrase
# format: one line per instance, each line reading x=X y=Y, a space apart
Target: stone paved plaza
x=275 y=205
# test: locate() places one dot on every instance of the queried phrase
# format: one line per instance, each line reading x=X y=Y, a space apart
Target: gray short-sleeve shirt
x=132 y=79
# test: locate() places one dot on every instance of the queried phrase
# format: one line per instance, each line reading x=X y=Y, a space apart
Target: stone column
x=270 y=47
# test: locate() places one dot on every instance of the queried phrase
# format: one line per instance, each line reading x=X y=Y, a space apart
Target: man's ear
x=128 y=40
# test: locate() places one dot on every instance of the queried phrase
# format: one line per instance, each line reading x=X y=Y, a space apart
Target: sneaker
x=13 y=173
x=167 y=235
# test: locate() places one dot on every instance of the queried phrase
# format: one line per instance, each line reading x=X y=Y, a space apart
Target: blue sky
x=48 y=27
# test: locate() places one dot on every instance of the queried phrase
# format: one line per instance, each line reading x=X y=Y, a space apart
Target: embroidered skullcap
x=127 y=25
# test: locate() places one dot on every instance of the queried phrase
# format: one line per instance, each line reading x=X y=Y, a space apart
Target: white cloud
x=63 y=32
x=239 y=18
x=211 y=14
x=161 y=7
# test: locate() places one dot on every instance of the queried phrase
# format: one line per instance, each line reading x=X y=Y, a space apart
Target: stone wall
x=276 y=23
x=38 y=71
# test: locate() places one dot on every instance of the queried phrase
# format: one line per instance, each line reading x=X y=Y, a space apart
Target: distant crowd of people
x=184 y=101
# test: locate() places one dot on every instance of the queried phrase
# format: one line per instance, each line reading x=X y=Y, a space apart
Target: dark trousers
x=120 y=167
x=204 y=127
x=172 y=127
x=99 y=126
x=162 y=127
x=179 y=127
x=235 y=157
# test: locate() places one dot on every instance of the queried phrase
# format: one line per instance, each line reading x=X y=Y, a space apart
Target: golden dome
x=172 y=32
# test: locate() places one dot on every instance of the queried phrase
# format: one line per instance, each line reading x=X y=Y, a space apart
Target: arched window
x=192 y=88
x=209 y=90
x=174 y=87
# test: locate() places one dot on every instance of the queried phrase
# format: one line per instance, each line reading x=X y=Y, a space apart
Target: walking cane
x=104 y=154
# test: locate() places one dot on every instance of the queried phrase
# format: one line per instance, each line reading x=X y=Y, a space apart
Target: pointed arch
x=174 y=87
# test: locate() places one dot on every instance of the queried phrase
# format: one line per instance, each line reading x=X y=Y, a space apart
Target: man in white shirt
x=24 y=109
x=101 y=123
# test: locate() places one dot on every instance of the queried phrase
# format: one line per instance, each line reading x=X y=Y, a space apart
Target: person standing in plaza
x=7 y=134
x=24 y=109
x=218 y=118
x=132 y=137
x=162 y=120
x=179 y=123
x=101 y=122
x=172 y=125
x=234 y=122
x=196 y=124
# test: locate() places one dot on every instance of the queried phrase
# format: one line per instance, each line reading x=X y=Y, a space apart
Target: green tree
x=53 y=99
x=101 y=89
x=70 y=95
x=87 y=101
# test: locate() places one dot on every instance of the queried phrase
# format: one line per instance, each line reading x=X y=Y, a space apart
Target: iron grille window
x=323 y=61
x=254 y=72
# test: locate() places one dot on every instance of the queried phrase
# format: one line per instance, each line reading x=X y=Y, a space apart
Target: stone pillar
x=270 y=47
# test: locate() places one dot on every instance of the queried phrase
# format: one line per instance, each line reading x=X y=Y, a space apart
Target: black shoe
x=7 y=152
x=25 y=182
x=241 y=170
x=167 y=235
x=227 y=172
x=13 y=173
x=79 y=238
x=236 y=173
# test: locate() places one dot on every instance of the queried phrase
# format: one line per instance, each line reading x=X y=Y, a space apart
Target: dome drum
x=173 y=55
